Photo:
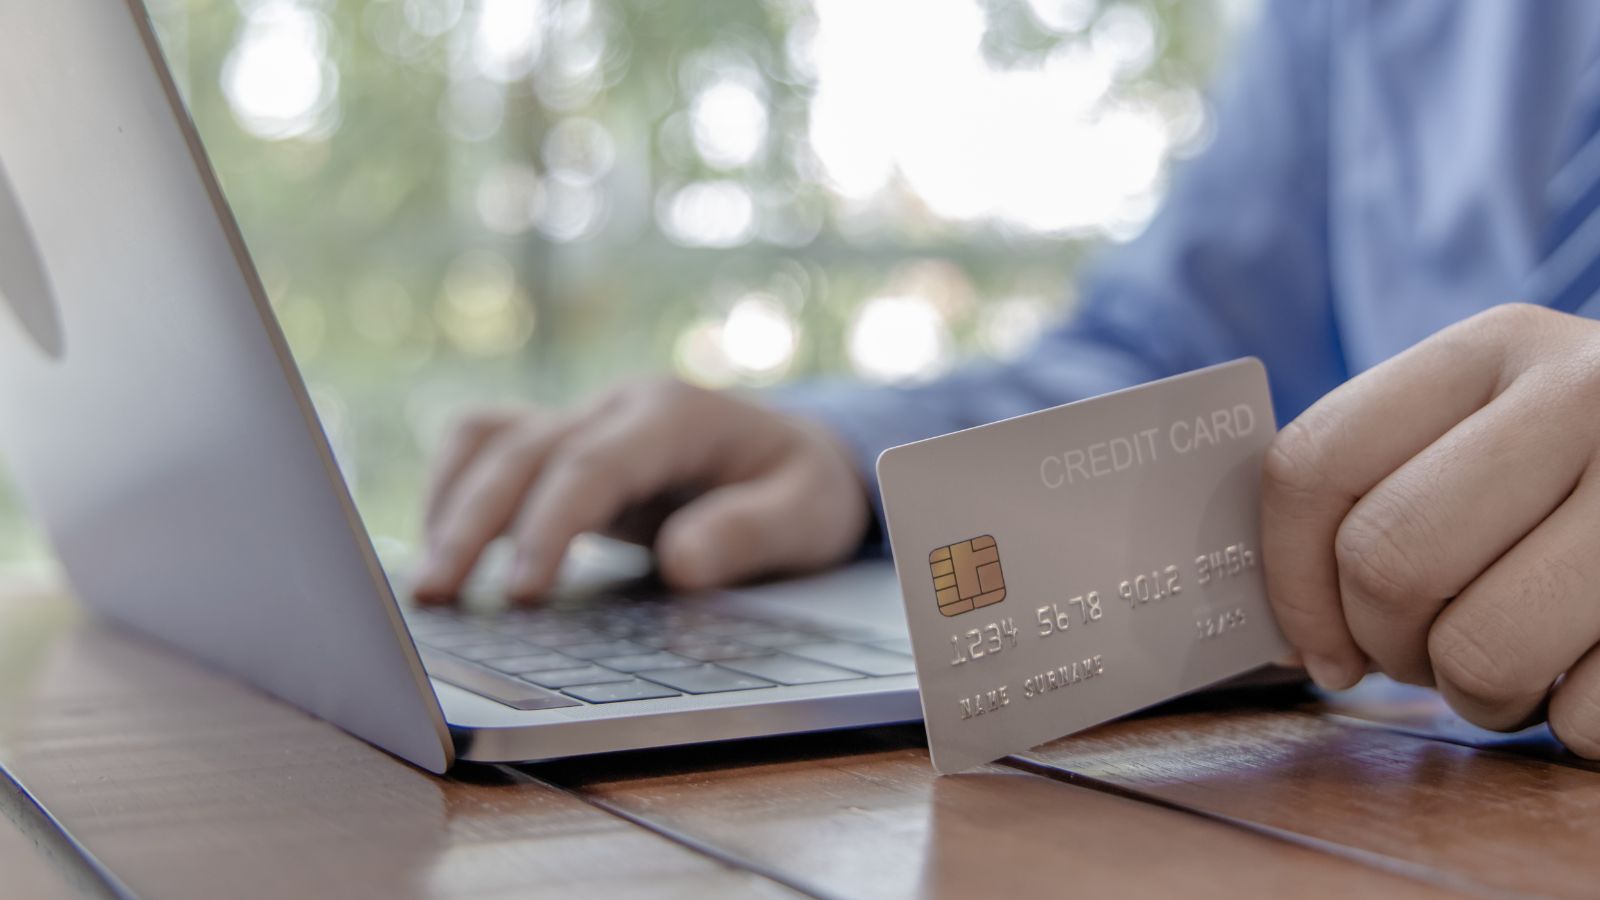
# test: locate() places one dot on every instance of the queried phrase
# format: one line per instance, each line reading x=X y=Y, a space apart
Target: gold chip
x=967 y=575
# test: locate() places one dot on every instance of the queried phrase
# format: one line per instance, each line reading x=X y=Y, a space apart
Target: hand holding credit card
x=1073 y=565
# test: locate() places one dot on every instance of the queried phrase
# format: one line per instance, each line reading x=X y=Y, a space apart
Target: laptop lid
x=149 y=408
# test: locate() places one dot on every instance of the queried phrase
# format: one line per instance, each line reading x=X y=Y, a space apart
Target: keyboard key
x=786 y=669
x=711 y=651
x=638 y=662
x=561 y=678
x=604 y=649
x=503 y=647
x=451 y=640
x=434 y=625
x=557 y=637
x=777 y=638
x=705 y=679
x=732 y=627
x=503 y=689
x=551 y=631
x=895 y=645
x=869 y=660
x=619 y=691
x=530 y=662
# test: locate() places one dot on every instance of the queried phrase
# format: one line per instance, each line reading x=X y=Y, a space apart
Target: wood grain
x=186 y=784
x=863 y=814
x=1422 y=712
x=1477 y=820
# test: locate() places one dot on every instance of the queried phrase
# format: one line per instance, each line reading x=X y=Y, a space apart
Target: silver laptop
x=158 y=429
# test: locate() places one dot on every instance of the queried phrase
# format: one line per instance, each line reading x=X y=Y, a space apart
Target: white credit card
x=1073 y=565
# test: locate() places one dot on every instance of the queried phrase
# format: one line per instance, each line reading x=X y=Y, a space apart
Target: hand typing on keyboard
x=747 y=491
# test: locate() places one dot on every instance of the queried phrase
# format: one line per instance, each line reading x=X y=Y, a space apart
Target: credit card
x=1074 y=565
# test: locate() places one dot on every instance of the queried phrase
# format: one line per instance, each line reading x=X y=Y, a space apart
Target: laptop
x=159 y=431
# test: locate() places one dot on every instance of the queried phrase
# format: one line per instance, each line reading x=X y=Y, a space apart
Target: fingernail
x=1331 y=674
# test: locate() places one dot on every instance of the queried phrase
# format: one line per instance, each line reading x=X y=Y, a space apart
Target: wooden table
x=132 y=771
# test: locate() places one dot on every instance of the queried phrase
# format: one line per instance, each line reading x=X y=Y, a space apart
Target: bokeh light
x=759 y=336
x=383 y=310
x=729 y=123
x=580 y=148
x=482 y=309
x=507 y=38
x=1064 y=16
x=276 y=77
x=510 y=198
x=431 y=18
x=717 y=213
x=1041 y=147
x=898 y=339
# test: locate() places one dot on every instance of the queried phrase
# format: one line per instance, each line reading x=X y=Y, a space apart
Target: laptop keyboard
x=617 y=650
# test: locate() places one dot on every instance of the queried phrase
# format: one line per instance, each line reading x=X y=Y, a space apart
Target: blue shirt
x=1380 y=170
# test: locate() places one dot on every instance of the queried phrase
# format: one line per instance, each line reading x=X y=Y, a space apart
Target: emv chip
x=967 y=575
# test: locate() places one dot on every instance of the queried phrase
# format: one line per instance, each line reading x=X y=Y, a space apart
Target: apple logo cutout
x=24 y=286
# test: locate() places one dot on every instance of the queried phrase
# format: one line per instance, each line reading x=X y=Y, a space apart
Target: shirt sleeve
x=1236 y=263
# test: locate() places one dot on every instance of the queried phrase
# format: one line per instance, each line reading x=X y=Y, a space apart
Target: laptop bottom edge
x=513 y=743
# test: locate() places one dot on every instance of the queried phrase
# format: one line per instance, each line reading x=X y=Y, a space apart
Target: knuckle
x=662 y=391
x=1375 y=569
x=1575 y=721
x=583 y=465
x=623 y=395
x=1512 y=337
x=506 y=472
x=594 y=472
x=519 y=448
x=1513 y=317
x=1586 y=374
x=475 y=424
x=649 y=397
x=1477 y=666
x=1575 y=375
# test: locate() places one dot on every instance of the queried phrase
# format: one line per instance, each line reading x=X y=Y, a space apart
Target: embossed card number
x=1077 y=564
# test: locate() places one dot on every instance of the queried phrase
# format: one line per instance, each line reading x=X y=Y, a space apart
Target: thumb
x=736 y=532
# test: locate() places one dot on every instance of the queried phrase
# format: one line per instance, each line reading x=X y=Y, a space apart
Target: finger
x=1575 y=707
x=1498 y=648
x=604 y=468
x=1422 y=536
x=463 y=443
x=485 y=498
x=739 y=531
x=1327 y=459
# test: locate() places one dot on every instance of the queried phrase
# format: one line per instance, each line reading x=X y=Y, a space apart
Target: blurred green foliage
x=455 y=202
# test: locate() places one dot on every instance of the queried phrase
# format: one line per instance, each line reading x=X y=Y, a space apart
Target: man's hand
x=744 y=490
x=1438 y=518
